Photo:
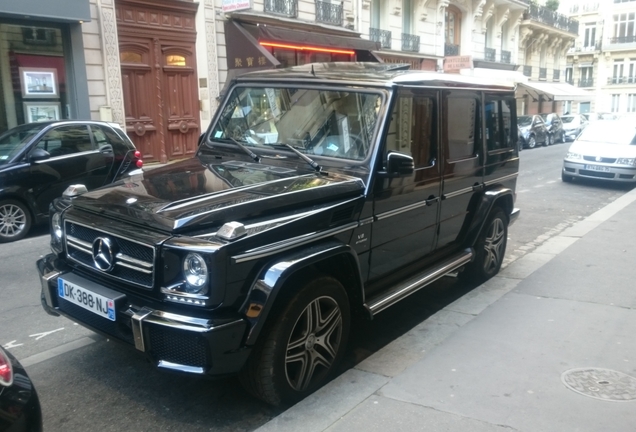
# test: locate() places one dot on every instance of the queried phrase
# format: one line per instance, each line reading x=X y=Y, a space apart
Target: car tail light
x=137 y=154
x=6 y=371
x=139 y=163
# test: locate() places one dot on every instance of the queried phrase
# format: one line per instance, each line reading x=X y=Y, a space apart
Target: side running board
x=403 y=290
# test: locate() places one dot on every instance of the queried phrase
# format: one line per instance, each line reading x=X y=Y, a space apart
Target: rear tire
x=302 y=347
x=15 y=221
x=489 y=249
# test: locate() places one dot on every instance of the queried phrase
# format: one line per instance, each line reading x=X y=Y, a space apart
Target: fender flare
x=265 y=289
x=484 y=206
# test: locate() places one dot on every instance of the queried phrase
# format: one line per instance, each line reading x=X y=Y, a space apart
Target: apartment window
x=376 y=13
x=589 y=38
x=631 y=71
x=624 y=28
x=619 y=68
x=407 y=14
x=453 y=20
x=616 y=98
x=568 y=74
x=631 y=102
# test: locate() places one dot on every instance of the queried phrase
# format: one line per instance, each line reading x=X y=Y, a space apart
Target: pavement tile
x=525 y=266
x=474 y=302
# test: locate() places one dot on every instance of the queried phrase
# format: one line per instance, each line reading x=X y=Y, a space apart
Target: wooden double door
x=160 y=92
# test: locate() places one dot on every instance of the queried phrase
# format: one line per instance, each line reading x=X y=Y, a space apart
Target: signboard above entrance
x=456 y=63
x=236 y=5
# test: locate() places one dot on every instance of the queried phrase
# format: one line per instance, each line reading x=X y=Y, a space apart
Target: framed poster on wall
x=39 y=83
x=41 y=111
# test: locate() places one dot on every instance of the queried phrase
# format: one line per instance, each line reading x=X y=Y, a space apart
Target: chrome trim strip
x=132 y=267
x=291 y=243
x=67 y=156
x=458 y=192
x=136 y=322
x=132 y=260
x=404 y=209
x=366 y=221
x=508 y=177
x=174 y=292
x=181 y=368
x=79 y=244
x=44 y=280
x=412 y=285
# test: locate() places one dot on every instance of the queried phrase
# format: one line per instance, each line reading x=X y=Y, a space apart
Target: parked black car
x=555 y=128
x=38 y=161
x=532 y=131
x=19 y=403
x=319 y=192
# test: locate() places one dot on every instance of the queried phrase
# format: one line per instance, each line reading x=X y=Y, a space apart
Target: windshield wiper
x=301 y=155
x=245 y=149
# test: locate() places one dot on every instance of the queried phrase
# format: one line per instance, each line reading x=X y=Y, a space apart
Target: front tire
x=15 y=221
x=300 y=351
x=532 y=142
x=489 y=249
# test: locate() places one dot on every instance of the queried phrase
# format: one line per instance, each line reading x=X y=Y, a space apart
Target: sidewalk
x=498 y=358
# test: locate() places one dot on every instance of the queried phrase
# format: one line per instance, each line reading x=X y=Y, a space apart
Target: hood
x=588 y=148
x=193 y=193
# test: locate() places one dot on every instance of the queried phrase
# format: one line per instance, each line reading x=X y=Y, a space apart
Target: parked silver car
x=573 y=125
x=599 y=154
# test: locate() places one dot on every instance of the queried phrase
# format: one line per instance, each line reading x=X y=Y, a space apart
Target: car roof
x=373 y=74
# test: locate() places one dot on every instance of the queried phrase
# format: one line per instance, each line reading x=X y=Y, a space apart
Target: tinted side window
x=499 y=125
x=412 y=130
x=107 y=139
x=66 y=140
x=462 y=127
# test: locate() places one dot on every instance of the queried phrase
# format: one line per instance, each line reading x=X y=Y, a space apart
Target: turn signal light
x=139 y=163
x=137 y=154
x=6 y=371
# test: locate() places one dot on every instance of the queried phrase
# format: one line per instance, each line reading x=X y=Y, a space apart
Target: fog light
x=195 y=271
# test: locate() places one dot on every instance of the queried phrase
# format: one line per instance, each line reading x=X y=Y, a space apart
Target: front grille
x=178 y=347
x=604 y=160
x=134 y=262
x=112 y=328
x=596 y=174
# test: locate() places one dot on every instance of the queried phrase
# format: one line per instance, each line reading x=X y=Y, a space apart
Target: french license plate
x=98 y=304
x=597 y=168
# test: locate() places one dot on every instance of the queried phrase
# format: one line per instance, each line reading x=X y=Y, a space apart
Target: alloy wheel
x=13 y=220
x=314 y=342
x=494 y=245
x=532 y=142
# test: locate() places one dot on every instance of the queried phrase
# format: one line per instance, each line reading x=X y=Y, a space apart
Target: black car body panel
x=19 y=403
x=532 y=126
x=392 y=207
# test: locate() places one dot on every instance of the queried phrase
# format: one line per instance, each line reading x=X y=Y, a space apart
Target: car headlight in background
x=195 y=271
x=626 y=161
x=575 y=156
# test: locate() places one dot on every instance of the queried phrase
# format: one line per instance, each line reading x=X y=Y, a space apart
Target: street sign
x=455 y=63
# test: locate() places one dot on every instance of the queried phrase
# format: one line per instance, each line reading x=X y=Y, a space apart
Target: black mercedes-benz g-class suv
x=318 y=192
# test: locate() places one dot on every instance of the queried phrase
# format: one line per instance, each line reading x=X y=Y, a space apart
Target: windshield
x=524 y=121
x=14 y=140
x=567 y=119
x=624 y=133
x=330 y=123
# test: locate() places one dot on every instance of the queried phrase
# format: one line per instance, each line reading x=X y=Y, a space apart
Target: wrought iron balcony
x=505 y=56
x=527 y=71
x=587 y=82
x=547 y=16
x=410 y=42
x=621 y=80
x=556 y=75
x=451 y=49
x=382 y=36
x=490 y=54
x=329 y=13
x=282 y=7
x=623 y=39
x=543 y=73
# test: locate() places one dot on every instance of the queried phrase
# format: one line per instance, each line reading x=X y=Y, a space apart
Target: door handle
x=431 y=200
x=478 y=187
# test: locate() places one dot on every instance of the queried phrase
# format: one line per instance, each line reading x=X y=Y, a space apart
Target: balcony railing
x=588 y=82
x=490 y=54
x=586 y=7
x=621 y=80
x=382 y=36
x=451 y=49
x=505 y=56
x=527 y=71
x=623 y=39
x=556 y=75
x=547 y=16
x=410 y=42
x=329 y=13
x=282 y=7
x=543 y=73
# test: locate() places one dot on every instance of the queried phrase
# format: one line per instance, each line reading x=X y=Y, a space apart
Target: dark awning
x=279 y=34
x=244 y=51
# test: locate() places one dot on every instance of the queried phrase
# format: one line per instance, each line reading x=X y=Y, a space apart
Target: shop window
x=130 y=57
x=175 y=60
x=39 y=36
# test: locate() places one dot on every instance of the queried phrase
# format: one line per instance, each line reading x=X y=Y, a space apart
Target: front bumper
x=171 y=340
x=571 y=133
x=612 y=172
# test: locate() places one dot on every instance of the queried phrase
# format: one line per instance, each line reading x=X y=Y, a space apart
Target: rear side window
x=500 y=130
x=462 y=127
x=107 y=140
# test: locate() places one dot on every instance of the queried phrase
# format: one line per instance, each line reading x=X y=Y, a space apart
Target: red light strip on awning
x=306 y=48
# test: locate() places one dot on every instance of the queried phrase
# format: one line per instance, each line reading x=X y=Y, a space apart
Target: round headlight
x=56 y=225
x=195 y=271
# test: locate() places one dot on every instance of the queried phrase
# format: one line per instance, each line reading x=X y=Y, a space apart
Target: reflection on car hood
x=587 y=148
x=195 y=194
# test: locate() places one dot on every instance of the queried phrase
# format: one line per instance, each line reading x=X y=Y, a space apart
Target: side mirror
x=398 y=165
x=38 y=154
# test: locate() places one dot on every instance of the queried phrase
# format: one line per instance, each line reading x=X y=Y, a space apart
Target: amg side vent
x=342 y=214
